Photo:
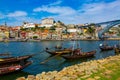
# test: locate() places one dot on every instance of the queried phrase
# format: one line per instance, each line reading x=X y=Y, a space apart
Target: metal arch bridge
x=107 y=27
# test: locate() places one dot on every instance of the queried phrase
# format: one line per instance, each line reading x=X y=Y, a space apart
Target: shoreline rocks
x=79 y=71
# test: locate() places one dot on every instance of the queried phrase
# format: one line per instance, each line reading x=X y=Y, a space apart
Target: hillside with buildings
x=49 y=29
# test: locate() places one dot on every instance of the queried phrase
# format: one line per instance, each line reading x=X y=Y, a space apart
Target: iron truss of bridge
x=109 y=24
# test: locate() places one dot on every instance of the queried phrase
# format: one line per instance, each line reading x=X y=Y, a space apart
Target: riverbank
x=104 y=69
x=38 y=40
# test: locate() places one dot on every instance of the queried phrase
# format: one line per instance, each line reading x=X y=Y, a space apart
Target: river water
x=55 y=63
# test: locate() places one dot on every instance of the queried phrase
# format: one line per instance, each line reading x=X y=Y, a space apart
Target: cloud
x=17 y=14
x=93 y=8
x=49 y=6
x=100 y=8
x=27 y=19
x=86 y=13
x=56 y=3
x=2 y=16
x=56 y=10
x=18 y=21
x=90 y=12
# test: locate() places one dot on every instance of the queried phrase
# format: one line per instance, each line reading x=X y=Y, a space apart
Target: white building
x=47 y=22
x=72 y=30
x=28 y=25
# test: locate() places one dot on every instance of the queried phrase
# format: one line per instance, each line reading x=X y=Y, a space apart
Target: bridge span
x=109 y=24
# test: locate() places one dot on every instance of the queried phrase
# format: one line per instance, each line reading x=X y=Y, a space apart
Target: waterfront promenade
x=37 y=40
x=104 y=69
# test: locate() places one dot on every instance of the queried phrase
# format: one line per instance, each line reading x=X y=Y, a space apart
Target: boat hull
x=14 y=59
x=11 y=68
x=59 y=52
x=84 y=55
x=117 y=50
x=106 y=48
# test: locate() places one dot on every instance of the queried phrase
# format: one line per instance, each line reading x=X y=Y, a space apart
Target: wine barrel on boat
x=77 y=55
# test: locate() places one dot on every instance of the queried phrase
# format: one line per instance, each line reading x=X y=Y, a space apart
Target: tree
x=52 y=28
x=62 y=24
x=54 y=21
x=118 y=30
x=42 y=29
x=32 y=29
x=59 y=21
x=91 y=31
x=23 y=29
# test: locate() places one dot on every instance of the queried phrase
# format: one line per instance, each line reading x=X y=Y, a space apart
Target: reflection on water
x=56 y=63
x=14 y=76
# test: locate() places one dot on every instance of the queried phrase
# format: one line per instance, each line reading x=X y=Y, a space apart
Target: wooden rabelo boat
x=14 y=59
x=55 y=52
x=59 y=51
x=117 y=50
x=105 y=47
x=12 y=64
x=78 y=54
x=12 y=67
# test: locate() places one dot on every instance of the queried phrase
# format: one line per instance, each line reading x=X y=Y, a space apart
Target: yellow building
x=6 y=34
x=85 y=30
x=64 y=36
x=1 y=36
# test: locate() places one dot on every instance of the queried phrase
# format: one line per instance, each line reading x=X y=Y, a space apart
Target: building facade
x=28 y=25
x=47 y=22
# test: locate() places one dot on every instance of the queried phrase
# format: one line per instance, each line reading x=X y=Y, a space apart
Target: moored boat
x=117 y=50
x=105 y=47
x=78 y=54
x=58 y=50
x=62 y=51
x=14 y=59
x=12 y=67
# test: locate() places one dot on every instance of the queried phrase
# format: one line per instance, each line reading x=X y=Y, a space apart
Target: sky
x=15 y=12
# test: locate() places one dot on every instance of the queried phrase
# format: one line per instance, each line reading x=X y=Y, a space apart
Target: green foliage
x=90 y=30
x=118 y=34
x=42 y=28
x=62 y=24
x=36 y=26
x=54 y=21
x=92 y=24
x=52 y=28
x=33 y=29
x=59 y=21
x=35 y=37
x=81 y=34
x=23 y=29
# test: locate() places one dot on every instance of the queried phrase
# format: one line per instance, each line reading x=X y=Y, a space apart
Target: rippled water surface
x=54 y=63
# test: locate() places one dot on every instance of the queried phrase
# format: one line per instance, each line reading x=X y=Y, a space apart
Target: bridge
x=108 y=24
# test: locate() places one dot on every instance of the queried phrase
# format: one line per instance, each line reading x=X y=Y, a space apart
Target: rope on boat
x=50 y=58
x=41 y=51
